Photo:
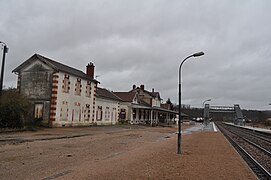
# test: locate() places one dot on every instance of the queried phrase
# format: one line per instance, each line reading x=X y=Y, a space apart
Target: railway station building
x=64 y=96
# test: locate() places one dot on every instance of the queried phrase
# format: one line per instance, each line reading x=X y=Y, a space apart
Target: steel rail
x=261 y=135
x=257 y=168
x=255 y=134
x=252 y=143
x=233 y=130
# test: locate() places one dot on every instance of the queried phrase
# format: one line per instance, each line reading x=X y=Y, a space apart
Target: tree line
x=14 y=109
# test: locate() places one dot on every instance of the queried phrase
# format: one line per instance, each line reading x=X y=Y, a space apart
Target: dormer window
x=66 y=84
x=78 y=87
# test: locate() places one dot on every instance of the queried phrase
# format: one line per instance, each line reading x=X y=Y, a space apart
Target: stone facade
x=75 y=104
x=61 y=95
x=35 y=82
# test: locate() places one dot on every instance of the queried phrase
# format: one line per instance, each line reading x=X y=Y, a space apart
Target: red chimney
x=90 y=70
x=142 y=87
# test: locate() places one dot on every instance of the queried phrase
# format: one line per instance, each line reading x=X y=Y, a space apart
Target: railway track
x=254 y=149
x=263 y=136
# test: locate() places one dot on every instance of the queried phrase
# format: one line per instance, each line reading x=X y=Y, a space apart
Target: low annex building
x=107 y=107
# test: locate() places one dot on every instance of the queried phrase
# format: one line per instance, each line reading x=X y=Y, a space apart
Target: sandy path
x=147 y=153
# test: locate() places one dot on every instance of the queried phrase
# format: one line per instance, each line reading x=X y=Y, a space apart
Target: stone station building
x=64 y=96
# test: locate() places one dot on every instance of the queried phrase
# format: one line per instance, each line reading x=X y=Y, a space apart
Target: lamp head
x=1 y=42
x=198 y=54
x=208 y=99
x=6 y=49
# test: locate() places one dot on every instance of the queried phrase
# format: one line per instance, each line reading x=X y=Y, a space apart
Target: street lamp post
x=180 y=100
x=203 y=110
x=5 y=50
x=205 y=102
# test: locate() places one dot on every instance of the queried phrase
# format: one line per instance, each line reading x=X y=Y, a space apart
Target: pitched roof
x=104 y=93
x=142 y=102
x=126 y=96
x=153 y=94
x=165 y=106
x=55 y=65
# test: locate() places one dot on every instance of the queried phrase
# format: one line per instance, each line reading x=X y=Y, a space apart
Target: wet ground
x=119 y=152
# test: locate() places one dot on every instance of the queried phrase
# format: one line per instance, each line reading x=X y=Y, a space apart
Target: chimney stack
x=134 y=86
x=90 y=70
x=142 y=87
x=152 y=89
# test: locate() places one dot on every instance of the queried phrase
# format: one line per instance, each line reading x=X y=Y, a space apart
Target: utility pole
x=5 y=50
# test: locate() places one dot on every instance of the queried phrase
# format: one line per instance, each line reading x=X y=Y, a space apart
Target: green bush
x=13 y=109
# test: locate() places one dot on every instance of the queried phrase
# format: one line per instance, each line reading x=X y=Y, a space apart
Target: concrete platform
x=253 y=128
x=199 y=127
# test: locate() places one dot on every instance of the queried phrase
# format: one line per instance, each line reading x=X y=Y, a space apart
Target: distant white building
x=140 y=106
x=128 y=101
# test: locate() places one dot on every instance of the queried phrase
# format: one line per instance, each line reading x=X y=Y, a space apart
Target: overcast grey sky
x=144 y=41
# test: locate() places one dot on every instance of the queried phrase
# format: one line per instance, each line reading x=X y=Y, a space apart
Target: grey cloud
x=143 y=42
